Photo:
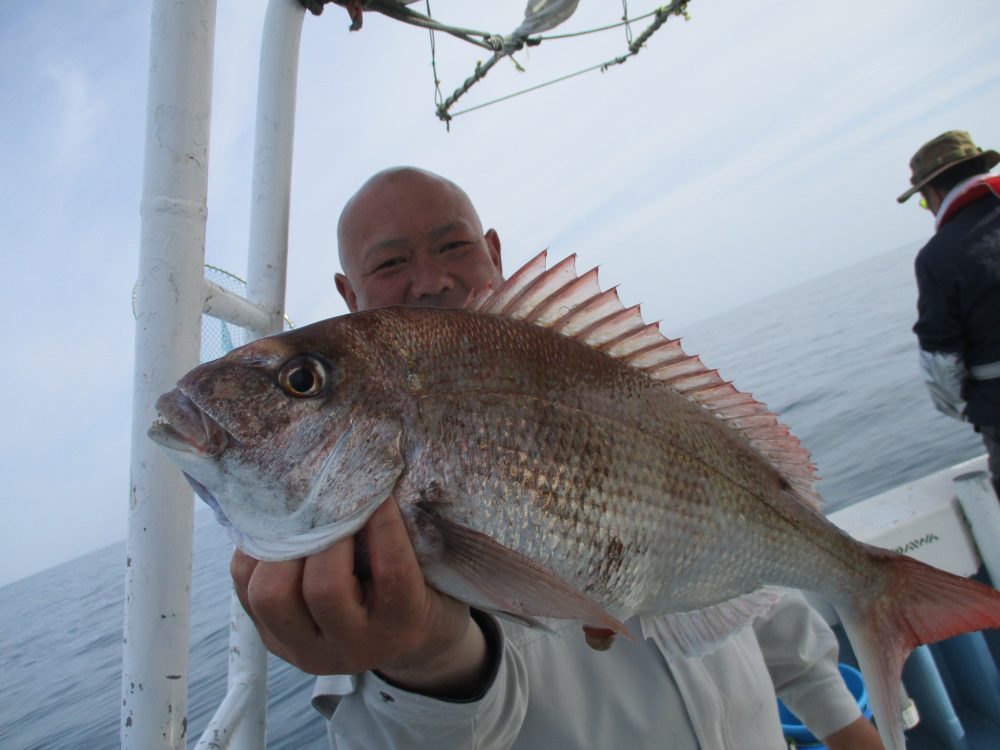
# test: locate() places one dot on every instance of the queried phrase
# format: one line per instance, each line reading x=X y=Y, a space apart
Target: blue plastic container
x=796 y=732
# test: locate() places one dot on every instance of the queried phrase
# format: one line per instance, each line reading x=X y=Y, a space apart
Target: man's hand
x=316 y=614
x=860 y=734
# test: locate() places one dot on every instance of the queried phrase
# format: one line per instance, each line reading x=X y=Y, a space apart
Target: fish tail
x=914 y=604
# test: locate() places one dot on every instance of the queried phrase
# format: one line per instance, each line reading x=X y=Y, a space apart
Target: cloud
x=79 y=114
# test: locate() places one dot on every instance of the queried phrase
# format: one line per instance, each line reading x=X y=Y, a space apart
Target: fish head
x=292 y=440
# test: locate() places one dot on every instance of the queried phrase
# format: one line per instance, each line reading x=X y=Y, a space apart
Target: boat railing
x=171 y=296
x=949 y=519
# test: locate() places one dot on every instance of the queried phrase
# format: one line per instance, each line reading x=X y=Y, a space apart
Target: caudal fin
x=914 y=604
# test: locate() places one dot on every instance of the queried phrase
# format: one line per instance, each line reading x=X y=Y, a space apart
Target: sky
x=749 y=149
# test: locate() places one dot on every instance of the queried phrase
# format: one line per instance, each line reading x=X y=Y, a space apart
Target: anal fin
x=702 y=631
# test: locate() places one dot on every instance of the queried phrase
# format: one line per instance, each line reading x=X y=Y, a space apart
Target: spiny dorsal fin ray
x=497 y=299
x=693 y=381
x=617 y=324
x=575 y=306
x=654 y=356
x=540 y=289
x=588 y=312
x=741 y=409
x=551 y=310
x=640 y=339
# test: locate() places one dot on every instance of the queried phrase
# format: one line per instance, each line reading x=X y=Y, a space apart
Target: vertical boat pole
x=979 y=504
x=168 y=310
x=240 y=722
x=274 y=132
x=267 y=257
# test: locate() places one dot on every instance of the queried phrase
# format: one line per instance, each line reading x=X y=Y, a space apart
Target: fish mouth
x=185 y=427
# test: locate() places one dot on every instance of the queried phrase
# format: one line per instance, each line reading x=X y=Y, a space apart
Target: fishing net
x=219 y=337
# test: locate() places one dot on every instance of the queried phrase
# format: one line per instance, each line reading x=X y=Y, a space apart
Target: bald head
x=387 y=190
x=411 y=237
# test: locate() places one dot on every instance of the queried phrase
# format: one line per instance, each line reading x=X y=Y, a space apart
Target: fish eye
x=303 y=377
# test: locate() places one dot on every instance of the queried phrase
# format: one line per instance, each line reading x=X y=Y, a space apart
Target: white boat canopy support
x=168 y=312
x=170 y=297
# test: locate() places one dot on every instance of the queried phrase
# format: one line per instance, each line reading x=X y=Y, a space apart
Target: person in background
x=404 y=666
x=958 y=284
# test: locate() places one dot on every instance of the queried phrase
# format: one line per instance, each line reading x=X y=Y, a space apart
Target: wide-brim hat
x=943 y=153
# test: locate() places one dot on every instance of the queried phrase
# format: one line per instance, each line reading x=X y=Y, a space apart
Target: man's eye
x=389 y=263
x=455 y=245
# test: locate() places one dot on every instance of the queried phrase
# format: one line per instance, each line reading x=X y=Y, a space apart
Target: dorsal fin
x=576 y=306
x=496 y=300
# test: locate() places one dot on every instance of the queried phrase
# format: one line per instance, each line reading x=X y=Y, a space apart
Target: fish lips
x=185 y=427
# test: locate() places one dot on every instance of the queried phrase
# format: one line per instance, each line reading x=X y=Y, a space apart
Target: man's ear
x=493 y=245
x=344 y=287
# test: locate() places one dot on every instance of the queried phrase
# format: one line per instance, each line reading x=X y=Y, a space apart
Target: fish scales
x=649 y=469
x=539 y=475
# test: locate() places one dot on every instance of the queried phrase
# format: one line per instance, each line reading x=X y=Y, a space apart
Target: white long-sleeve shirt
x=550 y=690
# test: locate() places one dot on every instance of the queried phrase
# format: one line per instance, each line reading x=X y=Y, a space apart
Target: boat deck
x=955 y=684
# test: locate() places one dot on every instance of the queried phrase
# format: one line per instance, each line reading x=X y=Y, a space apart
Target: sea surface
x=834 y=356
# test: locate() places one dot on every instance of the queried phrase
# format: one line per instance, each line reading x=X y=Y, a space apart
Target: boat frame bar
x=171 y=295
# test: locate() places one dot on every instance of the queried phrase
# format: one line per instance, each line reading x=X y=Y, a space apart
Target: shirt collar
x=954 y=195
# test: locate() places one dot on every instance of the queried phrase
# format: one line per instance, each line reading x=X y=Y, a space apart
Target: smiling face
x=409 y=237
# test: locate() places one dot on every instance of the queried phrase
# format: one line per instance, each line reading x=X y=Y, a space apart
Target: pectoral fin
x=471 y=566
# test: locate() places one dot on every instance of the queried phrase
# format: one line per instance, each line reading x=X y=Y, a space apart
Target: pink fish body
x=553 y=456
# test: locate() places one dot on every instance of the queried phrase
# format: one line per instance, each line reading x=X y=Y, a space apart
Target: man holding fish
x=421 y=669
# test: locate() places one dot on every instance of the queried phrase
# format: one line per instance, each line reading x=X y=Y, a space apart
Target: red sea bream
x=553 y=456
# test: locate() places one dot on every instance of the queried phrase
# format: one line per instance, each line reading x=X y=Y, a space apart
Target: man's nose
x=430 y=277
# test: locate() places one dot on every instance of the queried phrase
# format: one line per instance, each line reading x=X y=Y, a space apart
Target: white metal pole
x=982 y=512
x=240 y=721
x=266 y=272
x=225 y=305
x=272 y=172
x=169 y=303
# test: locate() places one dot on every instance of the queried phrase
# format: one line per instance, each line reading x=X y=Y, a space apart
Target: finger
x=241 y=568
x=275 y=597
x=330 y=590
x=396 y=576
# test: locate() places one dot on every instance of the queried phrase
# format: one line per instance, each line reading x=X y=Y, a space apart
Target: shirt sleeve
x=372 y=714
x=801 y=651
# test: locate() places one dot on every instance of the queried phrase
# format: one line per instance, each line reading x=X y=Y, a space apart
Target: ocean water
x=837 y=359
x=834 y=356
